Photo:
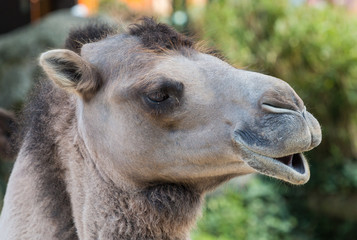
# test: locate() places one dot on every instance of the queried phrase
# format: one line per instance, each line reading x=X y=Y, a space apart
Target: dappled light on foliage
x=252 y=212
x=314 y=50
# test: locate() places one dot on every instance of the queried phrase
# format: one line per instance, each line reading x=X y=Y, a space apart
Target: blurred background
x=311 y=44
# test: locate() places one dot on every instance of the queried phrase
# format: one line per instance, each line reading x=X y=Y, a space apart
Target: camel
x=134 y=128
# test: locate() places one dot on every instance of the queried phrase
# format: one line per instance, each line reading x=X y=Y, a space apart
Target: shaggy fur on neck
x=163 y=211
x=158 y=211
x=39 y=141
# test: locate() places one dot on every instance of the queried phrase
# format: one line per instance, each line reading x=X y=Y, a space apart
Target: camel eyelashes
x=163 y=96
x=158 y=97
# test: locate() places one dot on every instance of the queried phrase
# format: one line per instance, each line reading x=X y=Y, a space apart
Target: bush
x=314 y=50
x=254 y=212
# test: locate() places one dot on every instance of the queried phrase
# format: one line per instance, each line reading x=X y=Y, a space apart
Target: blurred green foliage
x=315 y=51
x=254 y=212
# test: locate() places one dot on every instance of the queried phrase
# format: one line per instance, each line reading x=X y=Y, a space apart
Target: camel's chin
x=292 y=168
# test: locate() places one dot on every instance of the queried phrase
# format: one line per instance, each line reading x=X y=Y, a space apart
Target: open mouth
x=293 y=161
x=291 y=168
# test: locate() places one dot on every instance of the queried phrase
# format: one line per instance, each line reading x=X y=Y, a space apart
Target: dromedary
x=135 y=128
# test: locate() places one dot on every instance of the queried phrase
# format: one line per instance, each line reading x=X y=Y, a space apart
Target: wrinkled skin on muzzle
x=274 y=127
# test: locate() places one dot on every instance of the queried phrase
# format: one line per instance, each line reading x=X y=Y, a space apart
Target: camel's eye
x=157 y=97
x=162 y=96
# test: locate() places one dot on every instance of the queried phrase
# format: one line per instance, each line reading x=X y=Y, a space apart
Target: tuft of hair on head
x=90 y=33
x=68 y=69
x=159 y=37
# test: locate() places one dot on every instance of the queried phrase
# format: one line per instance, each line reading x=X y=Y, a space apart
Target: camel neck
x=159 y=211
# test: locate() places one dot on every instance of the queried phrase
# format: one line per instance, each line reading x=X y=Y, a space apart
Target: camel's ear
x=71 y=72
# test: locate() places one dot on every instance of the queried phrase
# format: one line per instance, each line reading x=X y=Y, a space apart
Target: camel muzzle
x=272 y=140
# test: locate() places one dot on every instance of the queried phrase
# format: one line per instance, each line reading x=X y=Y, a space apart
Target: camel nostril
x=280 y=99
x=282 y=105
x=279 y=107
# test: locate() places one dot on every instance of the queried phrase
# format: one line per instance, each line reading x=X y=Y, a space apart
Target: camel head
x=152 y=108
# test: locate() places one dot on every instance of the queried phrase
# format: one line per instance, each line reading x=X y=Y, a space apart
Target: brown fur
x=159 y=37
x=91 y=33
x=153 y=36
